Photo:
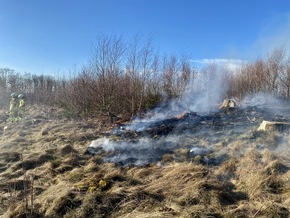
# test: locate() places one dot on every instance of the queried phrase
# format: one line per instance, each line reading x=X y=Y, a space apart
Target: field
x=214 y=166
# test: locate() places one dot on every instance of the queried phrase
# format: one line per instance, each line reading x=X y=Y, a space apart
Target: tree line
x=270 y=75
x=130 y=77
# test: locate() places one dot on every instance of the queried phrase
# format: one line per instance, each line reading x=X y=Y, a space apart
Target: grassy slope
x=44 y=173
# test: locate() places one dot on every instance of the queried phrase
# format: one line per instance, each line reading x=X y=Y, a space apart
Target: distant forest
x=130 y=77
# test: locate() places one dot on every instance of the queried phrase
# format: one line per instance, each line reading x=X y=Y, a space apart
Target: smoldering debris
x=146 y=140
x=132 y=152
x=200 y=150
x=146 y=150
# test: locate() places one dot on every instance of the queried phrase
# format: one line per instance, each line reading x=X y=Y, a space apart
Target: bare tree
x=170 y=72
x=154 y=90
x=274 y=68
x=146 y=59
x=186 y=74
x=132 y=74
x=285 y=79
x=105 y=70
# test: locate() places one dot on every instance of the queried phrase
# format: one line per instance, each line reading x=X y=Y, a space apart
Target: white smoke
x=202 y=95
x=262 y=100
x=142 y=151
x=206 y=90
x=108 y=144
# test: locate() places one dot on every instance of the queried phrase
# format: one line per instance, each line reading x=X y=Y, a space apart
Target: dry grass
x=259 y=175
x=46 y=156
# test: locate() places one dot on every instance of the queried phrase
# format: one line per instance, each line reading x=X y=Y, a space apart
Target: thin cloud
x=276 y=34
x=230 y=64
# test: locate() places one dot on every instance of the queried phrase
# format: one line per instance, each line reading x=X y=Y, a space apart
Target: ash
x=188 y=136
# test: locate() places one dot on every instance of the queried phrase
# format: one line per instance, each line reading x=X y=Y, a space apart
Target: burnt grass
x=192 y=165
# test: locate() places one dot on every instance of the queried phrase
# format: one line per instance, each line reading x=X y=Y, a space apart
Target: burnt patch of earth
x=147 y=140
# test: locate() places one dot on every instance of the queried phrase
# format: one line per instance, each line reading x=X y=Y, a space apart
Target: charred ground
x=192 y=165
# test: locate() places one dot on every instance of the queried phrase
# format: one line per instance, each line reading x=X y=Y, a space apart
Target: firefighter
x=13 y=110
x=21 y=107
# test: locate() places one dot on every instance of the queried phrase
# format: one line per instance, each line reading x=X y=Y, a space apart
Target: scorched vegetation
x=136 y=134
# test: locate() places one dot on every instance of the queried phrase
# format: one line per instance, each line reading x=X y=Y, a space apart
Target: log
x=273 y=126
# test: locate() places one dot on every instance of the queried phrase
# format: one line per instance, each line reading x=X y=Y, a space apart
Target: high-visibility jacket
x=21 y=103
x=13 y=104
x=13 y=109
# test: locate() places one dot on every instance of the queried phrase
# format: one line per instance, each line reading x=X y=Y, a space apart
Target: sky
x=56 y=36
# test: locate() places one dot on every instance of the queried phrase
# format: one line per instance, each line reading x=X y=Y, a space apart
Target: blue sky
x=55 y=36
